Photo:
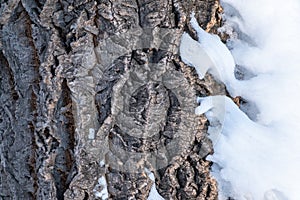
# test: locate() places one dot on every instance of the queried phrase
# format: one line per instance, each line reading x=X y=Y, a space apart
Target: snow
x=214 y=109
x=102 y=163
x=259 y=158
x=153 y=195
x=209 y=54
x=103 y=194
x=91 y=135
x=188 y=49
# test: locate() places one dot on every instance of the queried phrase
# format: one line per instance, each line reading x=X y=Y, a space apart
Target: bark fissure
x=64 y=160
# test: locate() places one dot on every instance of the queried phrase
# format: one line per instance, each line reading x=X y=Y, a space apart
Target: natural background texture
x=65 y=70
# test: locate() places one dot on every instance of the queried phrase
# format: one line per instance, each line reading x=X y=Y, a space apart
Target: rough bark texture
x=95 y=89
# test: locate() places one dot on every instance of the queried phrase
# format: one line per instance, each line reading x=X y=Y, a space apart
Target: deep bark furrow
x=64 y=161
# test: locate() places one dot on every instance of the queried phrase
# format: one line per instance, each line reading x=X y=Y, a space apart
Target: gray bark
x=89 y=81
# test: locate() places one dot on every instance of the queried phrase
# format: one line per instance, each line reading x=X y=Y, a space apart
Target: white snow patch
x=153 y=195
x=102 y=163
x=209 y=54
x=193 y=54
x=214 y=109
x=254 y=159
x=103 y=194
x=91 y=135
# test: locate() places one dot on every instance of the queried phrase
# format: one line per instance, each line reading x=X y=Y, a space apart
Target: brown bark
x=78 y=76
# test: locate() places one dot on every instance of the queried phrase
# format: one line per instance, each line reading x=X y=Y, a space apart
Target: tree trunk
x=94 y=95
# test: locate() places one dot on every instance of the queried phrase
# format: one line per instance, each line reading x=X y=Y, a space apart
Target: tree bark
x=94 y=89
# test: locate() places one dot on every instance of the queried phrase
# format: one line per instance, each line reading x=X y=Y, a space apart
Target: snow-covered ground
x=257 y=156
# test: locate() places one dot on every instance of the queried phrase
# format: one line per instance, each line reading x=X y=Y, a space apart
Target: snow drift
x=257 y=158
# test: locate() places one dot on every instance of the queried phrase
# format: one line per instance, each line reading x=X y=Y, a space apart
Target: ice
x=206 y=105
x=208 y=54
x=253 y=159
x=217 y=51
x=193 y=54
